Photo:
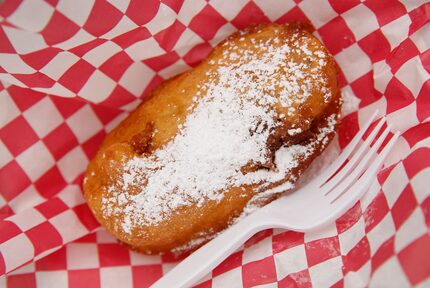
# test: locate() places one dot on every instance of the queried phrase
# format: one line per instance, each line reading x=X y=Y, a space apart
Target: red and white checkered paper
x=70 y=70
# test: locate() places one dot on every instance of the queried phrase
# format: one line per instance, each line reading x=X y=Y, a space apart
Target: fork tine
x=333 y=167
x=362 y=185
x=355 y=174
x=327 y=187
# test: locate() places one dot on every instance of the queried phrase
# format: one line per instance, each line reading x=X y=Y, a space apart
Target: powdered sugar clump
x=227 y=128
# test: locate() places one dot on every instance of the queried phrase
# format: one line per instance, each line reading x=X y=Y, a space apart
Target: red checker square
x=417 y=161
x=348 y=129
x=341 y=6
x=59 y=29
x=342 y=82
x=50 y=183
x=250 y=14
x=386 y=10
x=90 y=238
x=169 y=36
x=135 y=8
x=258 y=237
x=154 y=83
x=18 y=135
x=103 y=18
x=126 y=39
x=357 y=256
x=259 y=272
x=52 y=262
x=364 y=89
x=11 y=189
x=300 y=279
x=60 y=141
x=44 y=237
x=75 y=78
x=349 y=218
x=105 y=114
x=119 y=97
x=2 y=265
x=423 y=105
x=174 y=4
x=233 y=261
x=160 y=62
x=385 y=252
x=375 y=212
x=336 y=35
x=27 y=280
x=397 y=95
x=399 y=56
x=416 y=134
x=286 y=240
x=91 y=146
x=8 y=7
x=295 y=14
x=37 y=79
x=419 y=18
x=40 y=58
x=91 y=278
x=415 y=259
x=404 y=206
x=206 y=284
x=5 y=45
x=67 y=106
x=321 y=250
x=82 y=49
x=51 y=208
x=375 y=45
x=145 y=276
x=5 y=212
x=197 y=53
x=8 y=230
x=89 y=221
x=207 y=22
x=113 y=254
x=425 y=206
x=116 y=65
x=24 y=98
x=52 y=2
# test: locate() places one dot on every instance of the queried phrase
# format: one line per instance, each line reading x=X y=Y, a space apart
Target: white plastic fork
x=318 y=203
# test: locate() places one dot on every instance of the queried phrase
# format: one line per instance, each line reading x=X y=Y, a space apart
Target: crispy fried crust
x=164 y=109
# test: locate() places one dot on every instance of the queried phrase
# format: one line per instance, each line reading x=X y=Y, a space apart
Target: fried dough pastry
x=217 y=141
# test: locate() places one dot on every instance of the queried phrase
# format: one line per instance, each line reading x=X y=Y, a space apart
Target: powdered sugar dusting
x=227 y=127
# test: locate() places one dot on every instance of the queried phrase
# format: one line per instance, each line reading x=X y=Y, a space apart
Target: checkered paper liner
x=70 y=71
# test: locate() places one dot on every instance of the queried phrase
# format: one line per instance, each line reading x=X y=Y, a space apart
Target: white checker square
x=71 y=195
x=3 y=281
x=413 y=228
x=361 y=20
x=84 y=124
x=231 y=276
x=390 y=274
x=381 y=233
x=370 y=195
x=191 y=8
x=395 y=184
x=412 y=4
x=36 y=160
x=73 y=164
x=43 y=117
x=56 y=89
x=186 y=42
x=174 y=69
x=229 y=9
x=326 y=273
x=9 y=110
x=328 y=231
x=136 y=78
x=105 y=237
x=404 y=118
x=258 y=251
x=207 y=277
x=79 y=38
x=381 y=75
x=8 y=78
x=413 y=75
x=291 y=260
x=32 y=15
x=274 y=9
x=123 y=26
x=82 y=256
x=121 y=5
x=350 y=238
x=144 y=49
x=115 y=122
x=24 y=41
x=97 y=88
x=12 y=63
x=423 y=284
x=28 y=268
x=114 y=277
x=166 y=267
x=69 y=226
x=222 y=33
x=140 y=259
x=164 y=18
x=5 y=155
x=354 y=62
x=26 y=199
x=318 y=16
x=420 y=185
x=77 y=10
x=350 y=101
x=98 y=55
x=18 y=243
x=397 y=31
x=359 y=278
x=52 y=279
x=59 y=64
x=421 y=39
x=27 y=219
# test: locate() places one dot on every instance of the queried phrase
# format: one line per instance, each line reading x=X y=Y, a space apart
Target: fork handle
x=207 y=257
